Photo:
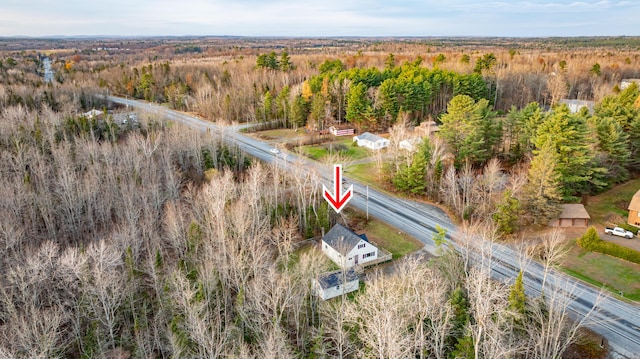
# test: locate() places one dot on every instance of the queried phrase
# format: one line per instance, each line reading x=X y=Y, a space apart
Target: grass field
x=389 y=238
x=343 y=146
x=605 y=271
x=365 y=173
x=613 y=201
x=282 y=133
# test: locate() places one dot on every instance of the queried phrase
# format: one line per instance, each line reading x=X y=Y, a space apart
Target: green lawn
x=602 y=270
x=613 y=201
x=387 y=237
x=365 y=173
x=343 y=147
x=281 y=133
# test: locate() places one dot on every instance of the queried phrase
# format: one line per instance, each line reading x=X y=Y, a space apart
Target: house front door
x=355 y=260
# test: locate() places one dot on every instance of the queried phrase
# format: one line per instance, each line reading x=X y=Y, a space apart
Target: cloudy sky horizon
x=531 y=18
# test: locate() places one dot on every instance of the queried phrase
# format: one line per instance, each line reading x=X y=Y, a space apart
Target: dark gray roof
x=332 y=279
x=342 y=239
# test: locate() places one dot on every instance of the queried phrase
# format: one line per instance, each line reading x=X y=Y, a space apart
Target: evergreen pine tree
x=542 y=192
x=568 y=136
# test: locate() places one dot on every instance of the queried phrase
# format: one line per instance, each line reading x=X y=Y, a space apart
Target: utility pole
x=367 y=202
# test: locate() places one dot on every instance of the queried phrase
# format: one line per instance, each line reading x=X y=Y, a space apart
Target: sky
x=320 y=18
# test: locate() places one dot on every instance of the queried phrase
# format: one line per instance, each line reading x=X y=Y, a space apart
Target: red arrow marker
x=337 y=201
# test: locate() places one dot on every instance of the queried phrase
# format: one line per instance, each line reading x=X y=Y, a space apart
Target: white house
x=371 y=141
x=347 y=249
x=576 y=105
x=627 y=82
x=332 y=284
x=93 y=114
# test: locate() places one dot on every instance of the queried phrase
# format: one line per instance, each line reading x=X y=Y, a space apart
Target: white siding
x=366 y=248
x=333 y=254
x=381 y=143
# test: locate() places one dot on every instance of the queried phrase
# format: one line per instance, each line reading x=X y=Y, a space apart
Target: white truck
x=620 y=232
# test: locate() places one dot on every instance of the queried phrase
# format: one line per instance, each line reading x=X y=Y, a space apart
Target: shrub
x=589 y=240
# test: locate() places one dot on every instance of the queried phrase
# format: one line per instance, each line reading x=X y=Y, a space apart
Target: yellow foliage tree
x=306 y=91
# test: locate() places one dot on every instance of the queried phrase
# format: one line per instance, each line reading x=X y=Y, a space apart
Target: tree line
x=550 y=157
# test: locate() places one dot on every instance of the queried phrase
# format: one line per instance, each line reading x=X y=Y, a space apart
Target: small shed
x=341 y=130
x=332 y=284
x=572 y=215
x=634 y=210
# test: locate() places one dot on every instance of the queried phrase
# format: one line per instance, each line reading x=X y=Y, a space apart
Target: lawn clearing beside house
x=614 y=201
x=280 y=134
x=614 y=274
x=389 y=238
x=366 y=173
x=342 y=146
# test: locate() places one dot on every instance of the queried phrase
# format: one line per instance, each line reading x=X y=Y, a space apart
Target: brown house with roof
x=634 y=210
x=572 y=215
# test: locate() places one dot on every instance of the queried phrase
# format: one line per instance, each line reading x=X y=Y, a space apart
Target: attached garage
x=572 y=215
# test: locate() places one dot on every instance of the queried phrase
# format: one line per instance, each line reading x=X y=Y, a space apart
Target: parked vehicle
x=620 y=232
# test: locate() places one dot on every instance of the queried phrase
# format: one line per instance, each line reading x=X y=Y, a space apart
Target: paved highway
x=617 y=320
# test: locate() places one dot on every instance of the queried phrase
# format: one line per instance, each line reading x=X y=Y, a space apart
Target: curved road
x=616 y=320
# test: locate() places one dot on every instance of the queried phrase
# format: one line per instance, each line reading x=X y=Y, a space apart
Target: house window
x=367 y=255
x=362 y=245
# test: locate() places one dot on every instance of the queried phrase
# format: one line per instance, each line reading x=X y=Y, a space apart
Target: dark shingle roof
x=332 y=279
x=342 y=239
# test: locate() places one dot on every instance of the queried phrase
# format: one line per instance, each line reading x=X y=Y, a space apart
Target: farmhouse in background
x=371 y=141
x=94 y=114
x=572 y=215
x=347 y=249
x=627 y=82
x=576 y=105
x=332 y=284
x=634 y=210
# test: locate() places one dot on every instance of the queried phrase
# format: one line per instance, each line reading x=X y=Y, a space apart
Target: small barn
x=341 y=130
x=572 y=215
x=634 y=210
x=332 y=284
x=347 y=249
x=371 y=141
